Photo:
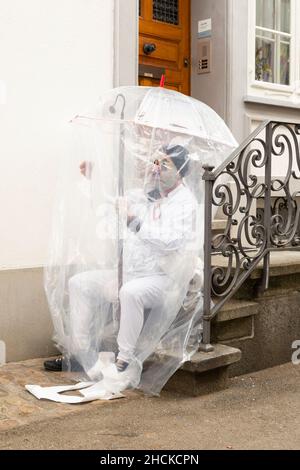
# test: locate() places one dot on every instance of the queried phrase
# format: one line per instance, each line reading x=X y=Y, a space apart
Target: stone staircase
x=254 y=330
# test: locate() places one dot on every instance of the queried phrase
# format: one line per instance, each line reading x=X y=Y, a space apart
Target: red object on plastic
x=162 y=81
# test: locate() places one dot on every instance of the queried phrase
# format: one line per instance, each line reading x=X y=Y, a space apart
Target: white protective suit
x=164 y=229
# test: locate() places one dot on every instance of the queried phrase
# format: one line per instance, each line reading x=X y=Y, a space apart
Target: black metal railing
x=257 y=191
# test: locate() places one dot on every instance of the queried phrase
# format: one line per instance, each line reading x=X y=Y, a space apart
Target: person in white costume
x=160 y=227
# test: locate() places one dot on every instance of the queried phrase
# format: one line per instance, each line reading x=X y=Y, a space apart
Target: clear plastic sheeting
x=124 y=280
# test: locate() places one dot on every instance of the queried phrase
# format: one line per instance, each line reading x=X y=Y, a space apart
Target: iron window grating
x=166 y=11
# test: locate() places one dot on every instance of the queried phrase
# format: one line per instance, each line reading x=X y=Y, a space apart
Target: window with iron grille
x=166 y=11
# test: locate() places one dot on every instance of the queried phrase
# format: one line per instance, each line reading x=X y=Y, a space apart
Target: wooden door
x=164 y=43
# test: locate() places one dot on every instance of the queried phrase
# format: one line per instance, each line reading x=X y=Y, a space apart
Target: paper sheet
x=90 y=391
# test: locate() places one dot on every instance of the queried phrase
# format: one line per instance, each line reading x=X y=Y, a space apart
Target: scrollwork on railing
x=285 y=205
x=257 y=191
x=238 y=192
x=243 y=241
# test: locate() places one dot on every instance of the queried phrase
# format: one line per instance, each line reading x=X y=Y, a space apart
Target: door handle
x=186 y=62
x=148 y=48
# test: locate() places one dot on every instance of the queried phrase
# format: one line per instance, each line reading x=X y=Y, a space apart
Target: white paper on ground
x=90 y=391
x=108 y=388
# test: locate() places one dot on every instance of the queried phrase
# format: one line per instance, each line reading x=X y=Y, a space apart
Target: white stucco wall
x=56 y=57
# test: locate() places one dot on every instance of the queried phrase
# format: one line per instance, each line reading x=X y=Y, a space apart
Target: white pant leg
x=135 y=296
x=91 y=293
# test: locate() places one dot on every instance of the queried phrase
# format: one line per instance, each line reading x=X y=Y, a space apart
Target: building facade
x=56 y=59
x=241 y=57
x=255 y=61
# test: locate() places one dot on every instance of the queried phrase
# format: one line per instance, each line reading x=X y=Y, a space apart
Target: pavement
x=258 y=411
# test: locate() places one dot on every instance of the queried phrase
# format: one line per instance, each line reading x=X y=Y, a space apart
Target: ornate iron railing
x=261 y=209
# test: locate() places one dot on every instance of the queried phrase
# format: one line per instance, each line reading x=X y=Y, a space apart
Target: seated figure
x=159 y=229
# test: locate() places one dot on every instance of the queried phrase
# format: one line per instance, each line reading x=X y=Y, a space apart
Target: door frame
x=125 y=59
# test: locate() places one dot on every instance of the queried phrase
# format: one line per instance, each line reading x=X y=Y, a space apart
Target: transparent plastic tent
x=124 y=279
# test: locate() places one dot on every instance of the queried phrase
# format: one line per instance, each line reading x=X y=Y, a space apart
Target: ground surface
x=258 y=411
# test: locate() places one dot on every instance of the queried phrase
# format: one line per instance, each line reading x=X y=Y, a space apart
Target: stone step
x=235 y=309
x=206 y=372
x=274 y=328
x=284 y=275
x=282 y=262
x=263 y=325
x=235 y=321
x=218 y=226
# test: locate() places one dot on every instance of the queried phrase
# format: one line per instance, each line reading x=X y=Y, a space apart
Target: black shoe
x=54 y=365
x=121 y=365
x=62 y=364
